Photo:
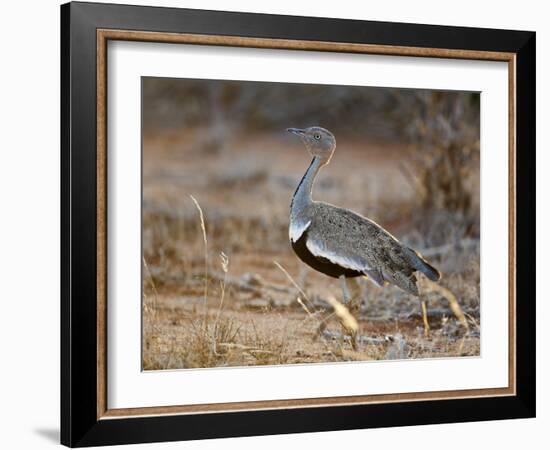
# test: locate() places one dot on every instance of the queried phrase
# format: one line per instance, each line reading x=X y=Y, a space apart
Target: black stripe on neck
x=302 y=181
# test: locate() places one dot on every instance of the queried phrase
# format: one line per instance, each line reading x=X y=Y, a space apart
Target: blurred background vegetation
x=442 y=127
x=407 y=158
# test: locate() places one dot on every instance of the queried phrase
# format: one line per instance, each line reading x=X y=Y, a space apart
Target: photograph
x=292 y=223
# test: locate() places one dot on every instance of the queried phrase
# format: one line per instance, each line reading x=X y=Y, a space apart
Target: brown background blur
x=408 y=159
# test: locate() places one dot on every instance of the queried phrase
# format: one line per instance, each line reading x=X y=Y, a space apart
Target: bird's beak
x=297 y=131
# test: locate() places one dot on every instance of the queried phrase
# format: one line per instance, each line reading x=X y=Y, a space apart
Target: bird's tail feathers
x=430 y=271
x=420 y=264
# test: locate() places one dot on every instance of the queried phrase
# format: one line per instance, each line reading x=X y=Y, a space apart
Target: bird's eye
x=317 y=136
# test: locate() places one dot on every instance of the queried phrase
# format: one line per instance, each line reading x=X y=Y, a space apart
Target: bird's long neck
x=302 y=196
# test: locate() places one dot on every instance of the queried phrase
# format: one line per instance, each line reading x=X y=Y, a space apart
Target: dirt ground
x=243 y=298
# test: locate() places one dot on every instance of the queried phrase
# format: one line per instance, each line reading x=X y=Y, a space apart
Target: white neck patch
x=297 y=228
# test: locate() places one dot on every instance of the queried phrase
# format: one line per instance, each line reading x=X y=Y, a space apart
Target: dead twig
x=205 y=241
x=300 y=290
x=451 y=298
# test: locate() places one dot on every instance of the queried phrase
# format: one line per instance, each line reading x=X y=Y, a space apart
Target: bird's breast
x=297 y=228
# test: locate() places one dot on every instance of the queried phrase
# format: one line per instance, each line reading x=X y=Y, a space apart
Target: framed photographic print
x=277 y=224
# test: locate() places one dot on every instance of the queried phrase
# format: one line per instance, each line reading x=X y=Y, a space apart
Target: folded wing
x=357 y=243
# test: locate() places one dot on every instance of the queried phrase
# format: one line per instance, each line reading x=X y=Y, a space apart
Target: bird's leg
x=425 y=320
x=347 y=303
x=345 y=290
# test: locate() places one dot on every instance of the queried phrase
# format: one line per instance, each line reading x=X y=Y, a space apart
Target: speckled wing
x=334 y=235
x=353 y=241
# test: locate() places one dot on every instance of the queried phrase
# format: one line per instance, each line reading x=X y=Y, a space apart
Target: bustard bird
x=341 y=243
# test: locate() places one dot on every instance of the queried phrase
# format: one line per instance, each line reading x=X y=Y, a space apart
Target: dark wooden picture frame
x=85 y=418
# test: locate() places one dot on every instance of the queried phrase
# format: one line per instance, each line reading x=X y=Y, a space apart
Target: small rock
x=399 y=349
x=259 y=303
x=253 y=279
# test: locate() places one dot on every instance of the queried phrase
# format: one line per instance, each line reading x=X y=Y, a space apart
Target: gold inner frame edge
x=103 y=36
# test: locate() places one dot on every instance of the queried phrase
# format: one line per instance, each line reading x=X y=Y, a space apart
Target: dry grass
x=213 y=297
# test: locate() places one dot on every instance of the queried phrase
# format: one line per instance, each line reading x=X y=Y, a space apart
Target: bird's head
x=319 y=142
